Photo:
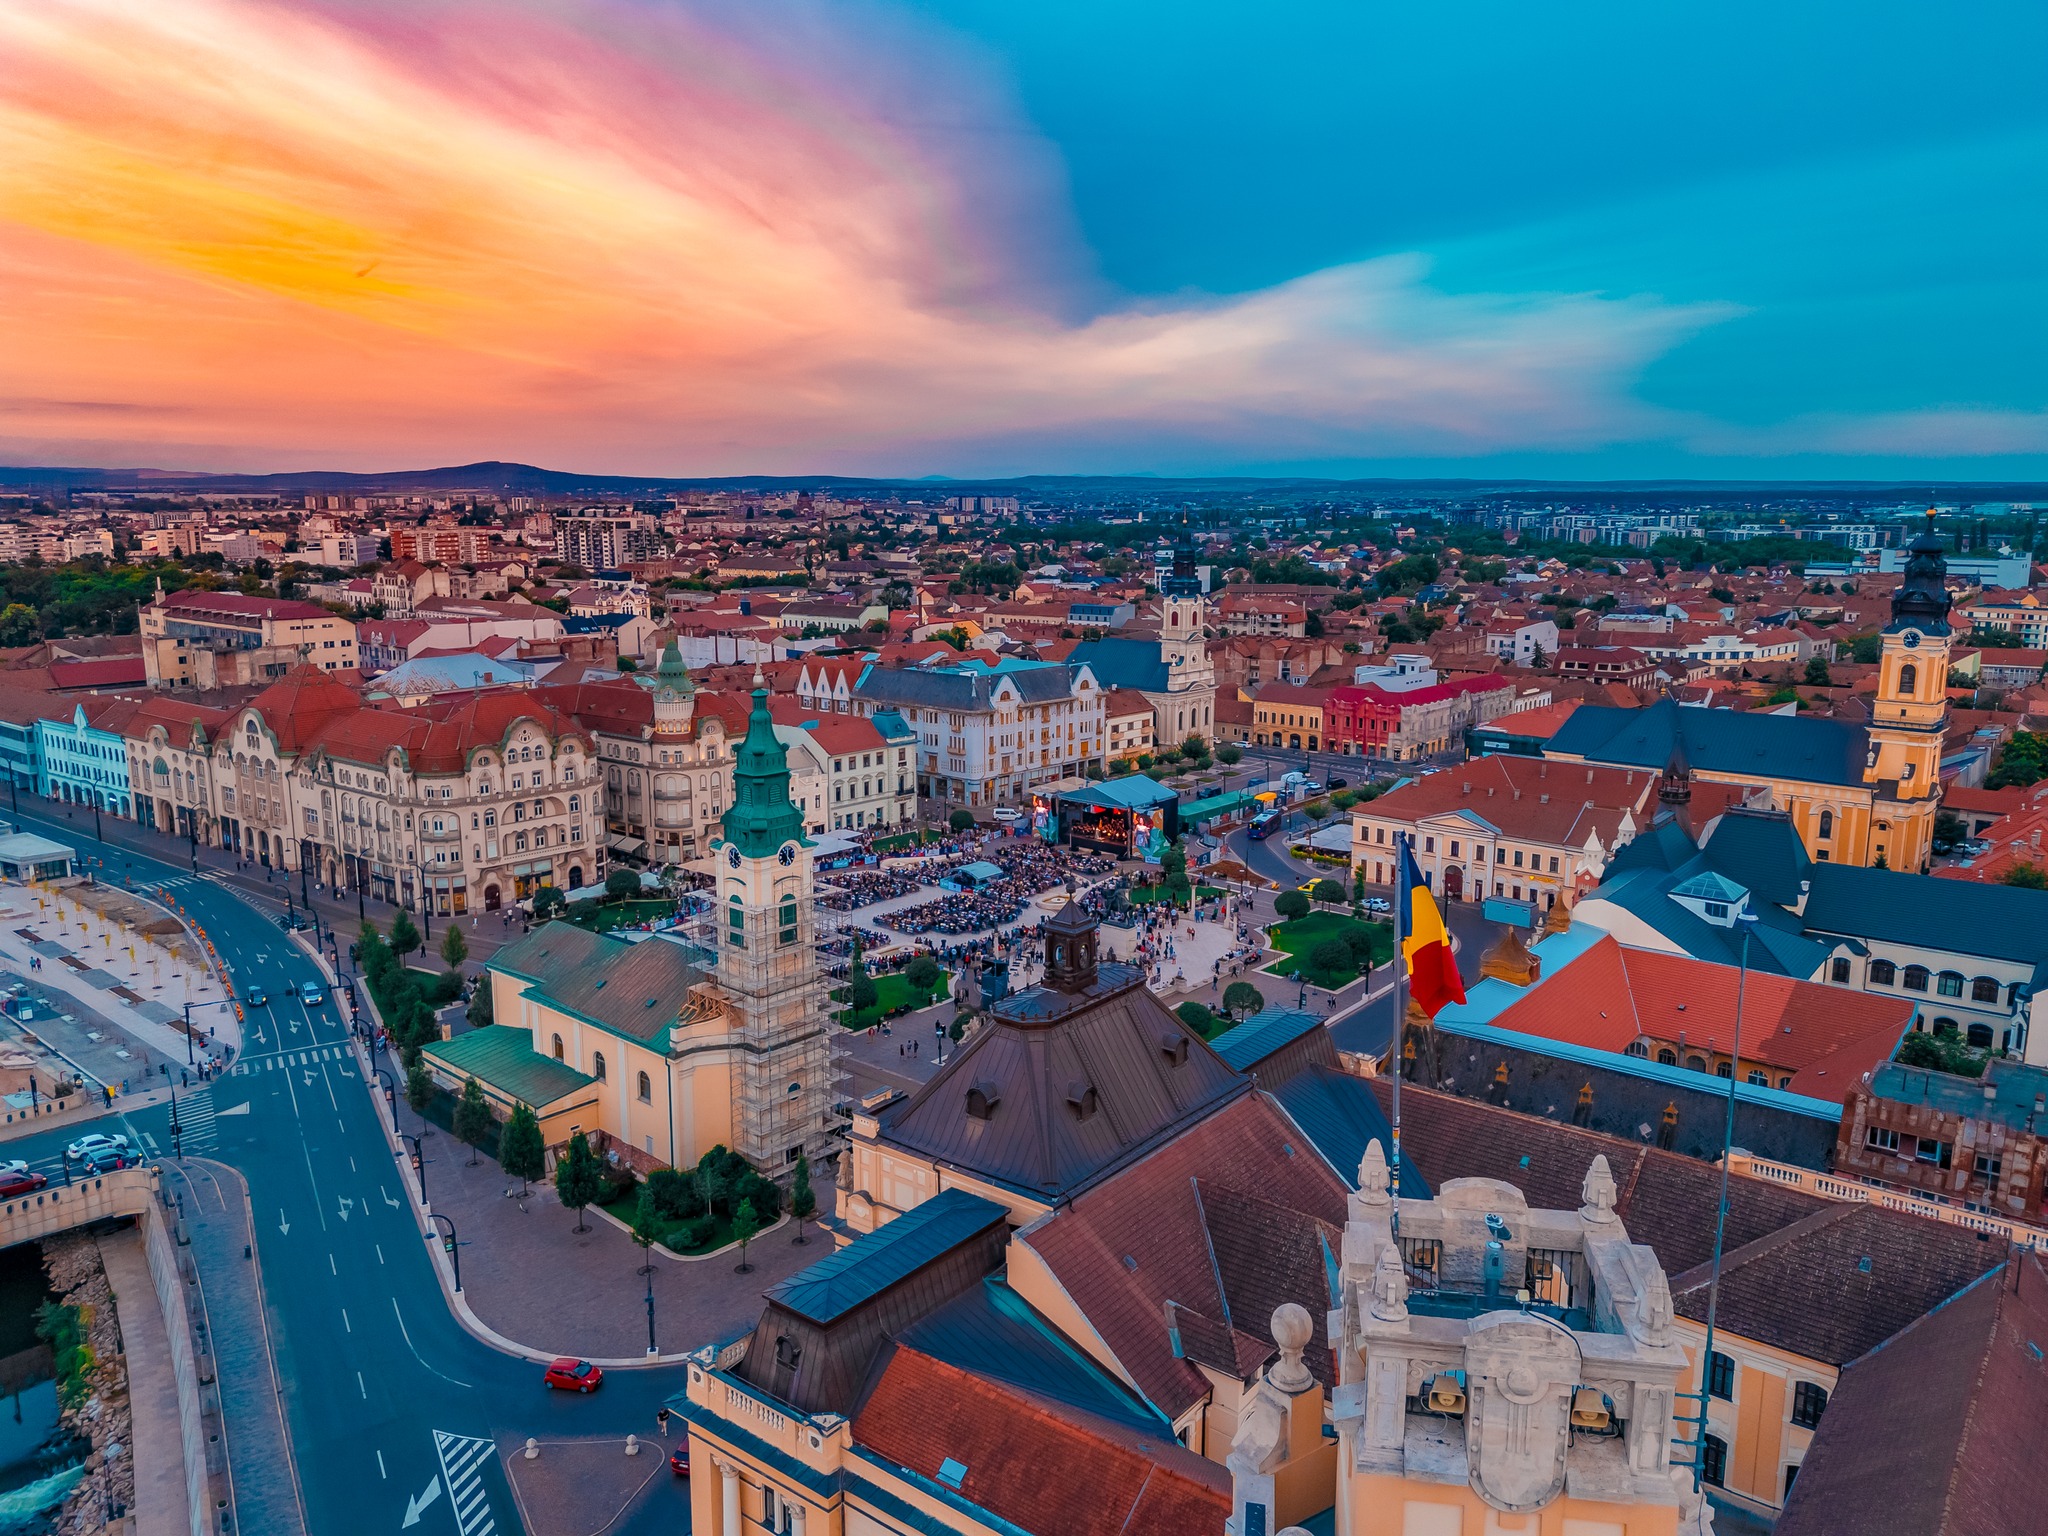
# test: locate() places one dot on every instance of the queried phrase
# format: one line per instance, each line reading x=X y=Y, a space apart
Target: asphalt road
x=1369 y=1027
x=375 y=1371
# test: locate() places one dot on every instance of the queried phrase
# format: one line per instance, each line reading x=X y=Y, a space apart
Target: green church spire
x=762 y=818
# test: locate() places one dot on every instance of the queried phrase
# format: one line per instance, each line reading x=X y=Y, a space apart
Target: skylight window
x=952 y=1473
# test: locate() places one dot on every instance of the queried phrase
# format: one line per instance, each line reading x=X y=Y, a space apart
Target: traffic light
x=448 y=1244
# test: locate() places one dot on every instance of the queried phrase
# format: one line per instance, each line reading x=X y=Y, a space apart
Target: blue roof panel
x=869 y=1265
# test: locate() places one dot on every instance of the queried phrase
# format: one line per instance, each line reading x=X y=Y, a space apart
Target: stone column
x=796 y=1519
x=729 y=1518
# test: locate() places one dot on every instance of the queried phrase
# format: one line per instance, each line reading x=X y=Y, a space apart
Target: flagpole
x=1395 y=1055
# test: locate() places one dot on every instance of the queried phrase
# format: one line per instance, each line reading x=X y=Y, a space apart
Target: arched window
x=1667 y=1057
x=1949 y=984
x=1713 y=1459
x=646 y=1089
x=1983 y=990
x=1637 y=1048
x=1916 y=978
x=1838 y=970
x=1979 y=1036
x=1827 y=823
x=1909 y=678
x=597 y=1065
x=1883 y=973
x=558 y=1047
x=1696 y=1063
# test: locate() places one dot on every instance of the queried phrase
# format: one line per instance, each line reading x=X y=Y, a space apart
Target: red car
x=679 y=1460
x=569 y=1374
x=20 y=1182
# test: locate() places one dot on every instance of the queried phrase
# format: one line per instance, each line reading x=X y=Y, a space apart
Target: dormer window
x=1081 y=1100
x=1174 y=1047
x=982 y=1100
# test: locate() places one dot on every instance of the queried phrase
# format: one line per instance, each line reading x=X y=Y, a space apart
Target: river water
x=40 y=1461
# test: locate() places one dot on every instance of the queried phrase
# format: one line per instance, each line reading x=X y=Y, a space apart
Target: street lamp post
x=419 y=1160
x=652 y=1348
x=449 y=1246
x=177 y=1131
x=390 y=1092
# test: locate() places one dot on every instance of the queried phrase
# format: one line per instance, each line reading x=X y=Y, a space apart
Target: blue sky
x=1861 y=190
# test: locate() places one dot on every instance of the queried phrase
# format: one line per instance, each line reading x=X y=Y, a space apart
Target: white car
x=11 y=1169
x=86 y=1146
x=1007 y=813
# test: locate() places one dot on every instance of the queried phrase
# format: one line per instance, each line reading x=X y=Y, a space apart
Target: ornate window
x=1827 y=823
x=646 y=1089
x=1883 y=973
x=1983 y=990
x=1949 y=984
x=1909 y=678
x=1916 y=978
x=597 y=1065
x=558 y=1047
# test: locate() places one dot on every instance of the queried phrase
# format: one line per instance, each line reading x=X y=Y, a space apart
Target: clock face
x=786 y=854
x=732 y=855
x=1911 y=638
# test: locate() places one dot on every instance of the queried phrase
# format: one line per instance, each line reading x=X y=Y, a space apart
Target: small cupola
x=1070 y=939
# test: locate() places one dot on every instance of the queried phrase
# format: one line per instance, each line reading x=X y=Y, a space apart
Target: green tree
x=2023 y=761
x=803 y=1200
x=621 y=883
x=578 y=1180
x=1229 y=755
x=1198 y=1018
x=1329 y=958
x=861 y=993
x=923 y=975
x=745 y=1223
x=2031 y=877
x=1316 y=810
x=419 y=1086
x=405 y=937
x=1948 y=829
x=646 y=1228
x=472 y=1117
x=1194 y=746
x=1344 y=799
x=1291 y=905
x=547 y=901
x=479 y=1010
x=714 y=1184
x=1242 y=999
x=1328 y=893
x=521 y=1151
x=1817 y=672
x=961 y=820
x=1865 y=649
x=19 y=625
x=453 y=949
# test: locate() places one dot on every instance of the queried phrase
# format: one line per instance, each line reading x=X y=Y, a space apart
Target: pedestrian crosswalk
x=286 y=1060
x=462 y=1460
x=195 y=1121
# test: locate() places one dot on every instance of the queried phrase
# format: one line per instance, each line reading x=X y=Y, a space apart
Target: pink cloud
x=675 y=239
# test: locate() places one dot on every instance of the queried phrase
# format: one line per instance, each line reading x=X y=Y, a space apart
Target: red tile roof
x=1039 y=1466
x=300 y=703
x=1824 y=1037
x=1936 y=1432
x=1151 y=1213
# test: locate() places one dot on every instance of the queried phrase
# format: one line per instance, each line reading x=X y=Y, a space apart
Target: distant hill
x=506 y=479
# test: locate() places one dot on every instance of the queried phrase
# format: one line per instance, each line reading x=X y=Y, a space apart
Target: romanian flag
x=1433 y=978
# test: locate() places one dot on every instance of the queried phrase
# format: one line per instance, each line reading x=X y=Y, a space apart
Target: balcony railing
x=1834 y=1186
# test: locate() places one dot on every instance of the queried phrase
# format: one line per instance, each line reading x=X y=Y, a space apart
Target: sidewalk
x=530 y=1275
x=117 y=1020
x=159 y=1450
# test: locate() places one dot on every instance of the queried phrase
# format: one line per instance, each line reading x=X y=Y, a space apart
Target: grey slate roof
x=634 y=990
x=1964 y=917
x=864 y=1268
x=2005 y=1093
x=1123 y=663
x=1037 y=1059
x=1716 y=740
x=966 y=689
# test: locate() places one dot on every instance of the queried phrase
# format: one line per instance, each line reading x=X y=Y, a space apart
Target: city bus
x=1263 y=823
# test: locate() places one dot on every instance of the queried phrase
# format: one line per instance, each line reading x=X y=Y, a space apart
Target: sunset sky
x=1590 y=238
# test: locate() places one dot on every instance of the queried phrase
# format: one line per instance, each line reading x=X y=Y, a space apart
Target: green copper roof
x=762 y=818
x=672 y=674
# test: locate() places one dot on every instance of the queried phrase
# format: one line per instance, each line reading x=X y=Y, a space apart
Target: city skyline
x=906 y=240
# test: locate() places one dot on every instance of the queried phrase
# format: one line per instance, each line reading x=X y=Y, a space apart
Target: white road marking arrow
x=283 y=1226
x=414 y=1506
x=309 y=1077
x=345 y=1204
x=387 y=1197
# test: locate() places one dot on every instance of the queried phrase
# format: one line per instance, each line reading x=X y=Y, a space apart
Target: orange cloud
x=666 y=240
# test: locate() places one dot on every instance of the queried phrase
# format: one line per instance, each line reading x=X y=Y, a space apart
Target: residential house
x=205 y=640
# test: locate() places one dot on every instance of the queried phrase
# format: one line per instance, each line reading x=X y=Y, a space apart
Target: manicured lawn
x=602 y=916
x=892 y=991
x=1140 y=894
x=721 y=1226
x=1299 y=937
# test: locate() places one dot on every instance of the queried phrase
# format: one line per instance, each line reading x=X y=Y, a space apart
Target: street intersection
x=391 y=1411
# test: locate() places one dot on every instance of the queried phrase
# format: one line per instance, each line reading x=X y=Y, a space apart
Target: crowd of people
x=848 y=890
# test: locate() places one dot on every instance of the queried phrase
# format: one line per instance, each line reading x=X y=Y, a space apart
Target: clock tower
x=767 y=964
x=1910 y=713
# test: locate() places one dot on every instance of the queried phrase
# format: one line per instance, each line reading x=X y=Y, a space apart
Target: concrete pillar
x=796 y=1519
x=729 y=1518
